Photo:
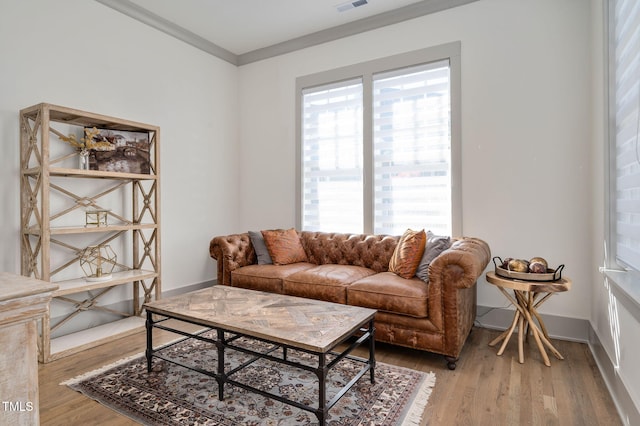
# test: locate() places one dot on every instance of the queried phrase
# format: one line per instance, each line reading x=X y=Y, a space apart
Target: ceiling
x=243 y=31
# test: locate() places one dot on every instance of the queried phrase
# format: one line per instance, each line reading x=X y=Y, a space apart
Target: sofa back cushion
x=369 y=251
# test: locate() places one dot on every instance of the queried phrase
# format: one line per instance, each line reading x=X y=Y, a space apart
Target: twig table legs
x=526 y=304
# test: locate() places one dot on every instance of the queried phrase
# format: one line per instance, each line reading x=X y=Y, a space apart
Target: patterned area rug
x=174 y=395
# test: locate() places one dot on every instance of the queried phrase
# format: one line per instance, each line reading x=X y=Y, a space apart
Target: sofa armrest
x=231 y=252
x=453 y=293
x=462 y=264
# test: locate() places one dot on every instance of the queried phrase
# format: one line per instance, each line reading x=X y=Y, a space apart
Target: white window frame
x=621 y=280
x=612 y=211
x=366 y=70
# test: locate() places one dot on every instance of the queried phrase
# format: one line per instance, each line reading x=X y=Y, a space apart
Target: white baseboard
x=563 y=328
x=189 y=288
x=629 y=413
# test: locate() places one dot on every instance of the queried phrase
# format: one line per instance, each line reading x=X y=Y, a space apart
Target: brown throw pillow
x=406 y=257
x=284 y=246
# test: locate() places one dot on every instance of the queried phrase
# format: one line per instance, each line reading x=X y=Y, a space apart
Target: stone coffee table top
x=303 y=323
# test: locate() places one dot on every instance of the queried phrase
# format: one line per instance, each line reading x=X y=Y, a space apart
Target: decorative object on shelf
x=129 y=152
x=96 y=217
x=98 y=262
x=90 y=141
x=83 y=159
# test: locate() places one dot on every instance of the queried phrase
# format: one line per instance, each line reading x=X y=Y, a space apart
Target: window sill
x=626 y=287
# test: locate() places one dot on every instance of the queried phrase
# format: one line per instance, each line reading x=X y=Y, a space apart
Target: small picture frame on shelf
x=127 y=152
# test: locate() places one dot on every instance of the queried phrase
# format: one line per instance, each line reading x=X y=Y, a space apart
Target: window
x=624 y=129
x=379 y=148
x=332 y=157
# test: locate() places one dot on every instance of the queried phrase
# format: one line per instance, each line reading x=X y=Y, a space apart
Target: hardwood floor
x=485 y=389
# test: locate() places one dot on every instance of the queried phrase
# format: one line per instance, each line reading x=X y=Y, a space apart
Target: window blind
x=412 y=149
x=332 y=157
x=626 y=111
x=378 y=145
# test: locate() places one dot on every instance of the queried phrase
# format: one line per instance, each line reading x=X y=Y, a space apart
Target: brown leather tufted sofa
x=353 y=269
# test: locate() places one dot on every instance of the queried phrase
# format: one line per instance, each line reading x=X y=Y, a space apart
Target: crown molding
x=415 y=10
x=405 y=13
x=158 y=22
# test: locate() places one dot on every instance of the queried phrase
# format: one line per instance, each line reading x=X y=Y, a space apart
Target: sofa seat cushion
x=387 y=292
x=324 y=282
x=265 y=277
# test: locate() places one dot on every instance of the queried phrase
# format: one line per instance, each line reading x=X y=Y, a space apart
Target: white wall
x=84 y=55
x=525 y=135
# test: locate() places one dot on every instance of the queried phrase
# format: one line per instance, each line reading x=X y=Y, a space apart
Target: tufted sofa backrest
x=369 y=251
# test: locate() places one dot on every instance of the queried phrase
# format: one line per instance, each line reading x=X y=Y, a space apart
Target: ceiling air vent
x=343 y=7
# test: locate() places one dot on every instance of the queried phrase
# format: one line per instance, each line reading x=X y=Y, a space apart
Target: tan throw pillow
x=284 y=246
x=406 y=257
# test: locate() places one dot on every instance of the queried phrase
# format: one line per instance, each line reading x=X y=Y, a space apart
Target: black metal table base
x=225 y=340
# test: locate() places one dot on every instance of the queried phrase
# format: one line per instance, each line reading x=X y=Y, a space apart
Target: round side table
x=527 y=298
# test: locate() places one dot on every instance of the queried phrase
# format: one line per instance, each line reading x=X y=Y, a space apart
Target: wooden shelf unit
x=47 y=168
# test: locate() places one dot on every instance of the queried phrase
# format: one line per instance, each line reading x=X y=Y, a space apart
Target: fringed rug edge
x=84 y=376
x=109 y=366
x=415 y=411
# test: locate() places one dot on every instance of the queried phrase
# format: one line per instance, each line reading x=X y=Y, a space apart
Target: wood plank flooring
x=485 y=389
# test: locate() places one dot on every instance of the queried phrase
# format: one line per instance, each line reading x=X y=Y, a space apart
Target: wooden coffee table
x=285 y=322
